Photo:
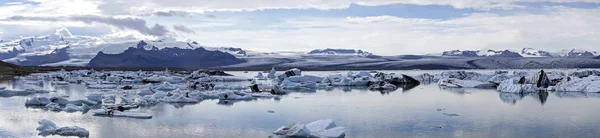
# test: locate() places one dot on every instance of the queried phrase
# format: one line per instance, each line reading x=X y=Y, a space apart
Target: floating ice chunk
x=166 y=86
x=363 y=81
x=321 y=128
x=145 y=91
x=512 y=86
x=223 y=79
x=113 y=79
x=305 y=78
x=336 y=132
x=278 y=90
x=286 y=84
x=159 y=94
x=53 y=107
x=48 y=127
x=363 y=74
x=38 y=101
x=456 y=83
x=74 y=108
x=230 y=87
x=320 y=125
x=290 y=73
x=180 y=98
x=235 y=96
x=574 y=84
x=105 y=112
x=271 y=74
x=498 y=78
x=102 y=86
x=426 y=78
x=176 y=79
x=294 y=130
x=260 y=75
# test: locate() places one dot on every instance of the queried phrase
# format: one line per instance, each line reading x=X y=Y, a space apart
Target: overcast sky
x=384 y=27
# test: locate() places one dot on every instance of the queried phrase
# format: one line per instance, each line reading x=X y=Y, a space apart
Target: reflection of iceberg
x=542 y=97
x=513 y=98
x=577 y=95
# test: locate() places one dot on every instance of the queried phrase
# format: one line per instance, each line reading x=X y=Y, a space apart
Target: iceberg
x=234 y=96
x=290 y=73
x=145 y=91
x=463 y=75
x=305 y=78
x=286 y=84
x=102 y=86
x=180 y=98
x=260 y=75
x=271 y=74
x=48 y=127
x=514 y=86
x=325 y=128
x=166 y=86
x=589 y=84
x=456 y=83
x=74 y=108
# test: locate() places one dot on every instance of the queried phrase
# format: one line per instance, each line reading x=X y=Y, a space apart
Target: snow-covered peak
x=481 y=53
x=530 y=52
x=577 y=53
x=329 y=51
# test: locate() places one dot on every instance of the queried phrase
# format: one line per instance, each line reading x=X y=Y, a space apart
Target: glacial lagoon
x=423 y=111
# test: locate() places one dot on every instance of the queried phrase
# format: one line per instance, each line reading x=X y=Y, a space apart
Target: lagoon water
x=424 y=111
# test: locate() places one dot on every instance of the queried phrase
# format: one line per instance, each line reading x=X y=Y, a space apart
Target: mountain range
x=525 y=52
x=72 y=50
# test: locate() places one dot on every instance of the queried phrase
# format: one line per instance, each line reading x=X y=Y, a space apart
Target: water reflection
x=576 y=95
x=513 y=98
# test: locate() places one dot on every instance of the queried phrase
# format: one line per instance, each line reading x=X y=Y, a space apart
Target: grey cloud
x=184 y=29
x=121 y=23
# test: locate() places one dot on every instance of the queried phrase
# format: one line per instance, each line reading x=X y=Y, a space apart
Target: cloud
x=63 y=32
x=556 y=29
x=184 y=29
x=136 y=24
x=120 y=6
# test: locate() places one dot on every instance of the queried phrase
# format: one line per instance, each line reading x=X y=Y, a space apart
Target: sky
x=382 y=27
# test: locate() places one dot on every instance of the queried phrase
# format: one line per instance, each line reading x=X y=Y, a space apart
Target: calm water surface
x=403 y=113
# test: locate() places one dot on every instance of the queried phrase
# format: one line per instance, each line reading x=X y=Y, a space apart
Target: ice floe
x=325 y=128
x=48 y=127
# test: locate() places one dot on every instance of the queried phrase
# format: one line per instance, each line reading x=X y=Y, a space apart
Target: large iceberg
x=48 y=127
x=517 y=86
x=574 y=84
x=325 y=128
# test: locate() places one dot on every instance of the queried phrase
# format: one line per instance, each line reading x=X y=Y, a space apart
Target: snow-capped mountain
x=577 y=53
x=530 y=52
x=330 y=51
x=145 y=55
x=481 y=53
x=525 y=52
